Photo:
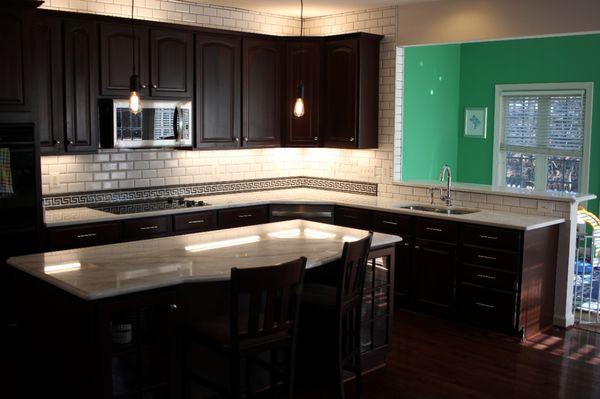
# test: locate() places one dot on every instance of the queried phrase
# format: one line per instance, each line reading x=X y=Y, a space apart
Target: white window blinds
x=548 y=123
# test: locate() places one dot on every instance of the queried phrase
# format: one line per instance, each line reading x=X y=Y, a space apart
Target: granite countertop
x=73 y=216
x=117 y=269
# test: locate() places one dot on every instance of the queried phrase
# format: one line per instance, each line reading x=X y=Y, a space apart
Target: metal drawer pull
x=195 y=221
x=349 y=216
x=149 y=228
x=388 y=222
x=301 y=214
x=486 y=276
x=247 y=215
x=86 y=235
x=486 y=257
x=434 y=229
x=485 y=305
x=488 y=237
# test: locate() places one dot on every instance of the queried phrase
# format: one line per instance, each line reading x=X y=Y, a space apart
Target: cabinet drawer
x=491 y=237
x=139 y=229
x=243 y=216
x=490 y=257
x=391 y=223
x=199 y=221
x=353 y=217
x=84 y=236
x=490 y=278
x=487 y=308
x=438 y=230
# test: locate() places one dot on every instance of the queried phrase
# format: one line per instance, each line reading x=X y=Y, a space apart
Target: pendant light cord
x=132 y=37
x=301 y=17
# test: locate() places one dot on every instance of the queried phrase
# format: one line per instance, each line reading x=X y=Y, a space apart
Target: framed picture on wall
x=475 y=122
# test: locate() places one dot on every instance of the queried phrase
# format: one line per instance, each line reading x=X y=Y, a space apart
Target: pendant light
x=299 y=103
x=135 y=103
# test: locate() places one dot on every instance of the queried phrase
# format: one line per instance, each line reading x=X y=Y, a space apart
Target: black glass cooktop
x=155 y=204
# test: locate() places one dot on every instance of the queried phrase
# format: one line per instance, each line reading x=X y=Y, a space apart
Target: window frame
x=541 y=161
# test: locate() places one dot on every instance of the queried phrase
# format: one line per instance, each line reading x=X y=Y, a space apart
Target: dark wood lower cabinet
x=434 y=268
x=246 y=216
x=84 y=235
x=139 y=229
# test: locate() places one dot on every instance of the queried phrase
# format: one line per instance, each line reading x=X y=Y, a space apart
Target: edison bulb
x=299 y=107
x=135 y=104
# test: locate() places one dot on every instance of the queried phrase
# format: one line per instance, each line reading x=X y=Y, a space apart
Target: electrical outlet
x=367 y=171
x=54 y=179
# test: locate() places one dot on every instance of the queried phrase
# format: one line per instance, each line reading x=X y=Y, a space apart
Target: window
x=542 y=134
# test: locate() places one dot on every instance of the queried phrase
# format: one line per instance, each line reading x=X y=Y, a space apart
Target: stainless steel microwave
x=160 y=124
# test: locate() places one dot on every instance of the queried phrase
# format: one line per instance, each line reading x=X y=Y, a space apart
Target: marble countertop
x=73 y=216
x=117 y=269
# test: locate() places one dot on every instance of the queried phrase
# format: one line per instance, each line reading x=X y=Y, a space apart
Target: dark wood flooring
x=433 y=358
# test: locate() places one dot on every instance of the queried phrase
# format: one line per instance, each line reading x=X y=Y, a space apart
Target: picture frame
x=475 y=122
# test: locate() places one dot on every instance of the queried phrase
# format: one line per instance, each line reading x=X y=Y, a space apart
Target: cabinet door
x=303 y=60
x=434 y=267
x=14 y=34
x=246 y=216
x=262 y=87
x=81 y=84
x=116 y=58
x=47 y=80
x=218 y=91
x=403 y=286
x=171 y=61
x=340 y=108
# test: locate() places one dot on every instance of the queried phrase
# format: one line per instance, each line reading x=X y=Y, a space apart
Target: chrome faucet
x=448 y=197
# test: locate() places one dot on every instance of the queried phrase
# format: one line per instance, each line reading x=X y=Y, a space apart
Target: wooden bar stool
x=263 y=320
x=331 y=315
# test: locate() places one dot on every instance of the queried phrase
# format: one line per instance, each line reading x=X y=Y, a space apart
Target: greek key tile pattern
x=230 y=187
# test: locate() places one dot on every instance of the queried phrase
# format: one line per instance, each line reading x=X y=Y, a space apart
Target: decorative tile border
x=230 y=187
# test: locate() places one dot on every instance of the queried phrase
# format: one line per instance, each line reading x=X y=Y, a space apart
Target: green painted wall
x=482 y=67
x=431 y=83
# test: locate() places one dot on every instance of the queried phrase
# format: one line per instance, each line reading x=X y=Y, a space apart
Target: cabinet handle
x=247 y=215
x=388 y=222
x=486 y=276
x=245 y=138
x=195 y=221
x=237 y=139
x=88 y=235
x=416 y=246
x=485 y=305
x=351 y=139
x=56 y=142
x=487 y=237
x=486 y=257
x=142 y=87
x=315 y=138
x=349 y=216
x=154 y=86
x=173 y=306
x=70 y=142
x=434 y=229
x=149 y=228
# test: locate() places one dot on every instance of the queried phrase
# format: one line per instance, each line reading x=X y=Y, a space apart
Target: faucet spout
x=447 y=198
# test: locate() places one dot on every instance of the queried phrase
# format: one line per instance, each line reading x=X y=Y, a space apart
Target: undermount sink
x=442 y=210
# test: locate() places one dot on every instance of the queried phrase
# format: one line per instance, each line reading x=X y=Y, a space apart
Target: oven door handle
x=178 y=123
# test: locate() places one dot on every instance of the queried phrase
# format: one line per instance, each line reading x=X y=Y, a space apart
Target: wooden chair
x=263 y=319
x=342 y=304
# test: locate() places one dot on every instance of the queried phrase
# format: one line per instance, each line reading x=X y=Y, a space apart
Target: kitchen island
x=102 y=322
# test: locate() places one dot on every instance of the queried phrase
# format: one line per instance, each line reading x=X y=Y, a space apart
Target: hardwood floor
x=433 y=358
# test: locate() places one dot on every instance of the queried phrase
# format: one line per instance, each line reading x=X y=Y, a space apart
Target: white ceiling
x=312 y=8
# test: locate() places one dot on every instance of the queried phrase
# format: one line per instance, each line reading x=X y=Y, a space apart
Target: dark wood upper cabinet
x=218 y=91
x=171 y=63
x=116 y=58
x=47 y=79
x=81 y=84
x=351 y=80
x=14 y=34
x=303 y=65
x=262 y=80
